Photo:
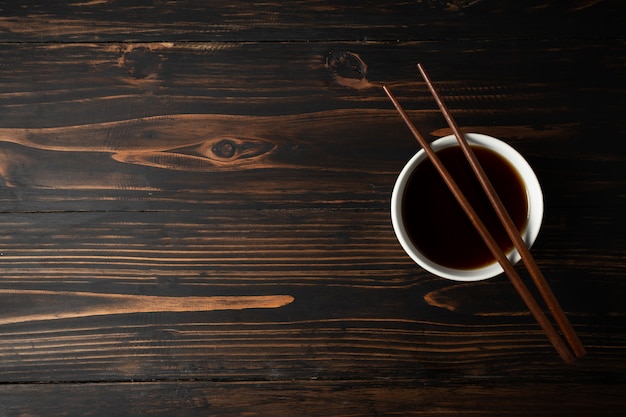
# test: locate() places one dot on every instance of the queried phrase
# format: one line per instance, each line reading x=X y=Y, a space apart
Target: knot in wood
x=347 y=68
x=141 y=63
x=230 y=149
x=225 y=149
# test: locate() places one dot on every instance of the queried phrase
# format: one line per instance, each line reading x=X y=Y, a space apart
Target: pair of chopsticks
x=575 y=348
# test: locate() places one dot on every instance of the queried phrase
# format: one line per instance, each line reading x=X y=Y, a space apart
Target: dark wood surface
x=195 y=207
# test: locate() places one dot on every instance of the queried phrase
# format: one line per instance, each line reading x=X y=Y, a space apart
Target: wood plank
x=237 y=20
x=172 y=134
x=312 y=398
x=75 y=288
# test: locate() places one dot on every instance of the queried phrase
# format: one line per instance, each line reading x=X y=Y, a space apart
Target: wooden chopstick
x=554 y=337
x=505 y=218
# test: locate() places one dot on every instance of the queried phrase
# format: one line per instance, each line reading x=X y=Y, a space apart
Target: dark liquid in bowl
x=437 y=224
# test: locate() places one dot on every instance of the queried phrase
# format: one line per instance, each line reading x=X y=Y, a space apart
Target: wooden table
x=195 y=207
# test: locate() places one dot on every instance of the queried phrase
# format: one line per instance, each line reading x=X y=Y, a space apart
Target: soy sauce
x=437 y=224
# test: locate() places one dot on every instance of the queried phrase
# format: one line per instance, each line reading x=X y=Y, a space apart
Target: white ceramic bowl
x=533 y=193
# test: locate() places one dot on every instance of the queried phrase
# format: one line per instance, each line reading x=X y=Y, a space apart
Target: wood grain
x=83 y=304
x=191 y=124
x=133 y=201
x=193 y=20
x=194 y=207
x=360 y=306
x=313 y=398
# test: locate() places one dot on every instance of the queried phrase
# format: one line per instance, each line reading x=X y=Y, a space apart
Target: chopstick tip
x=422 y=70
